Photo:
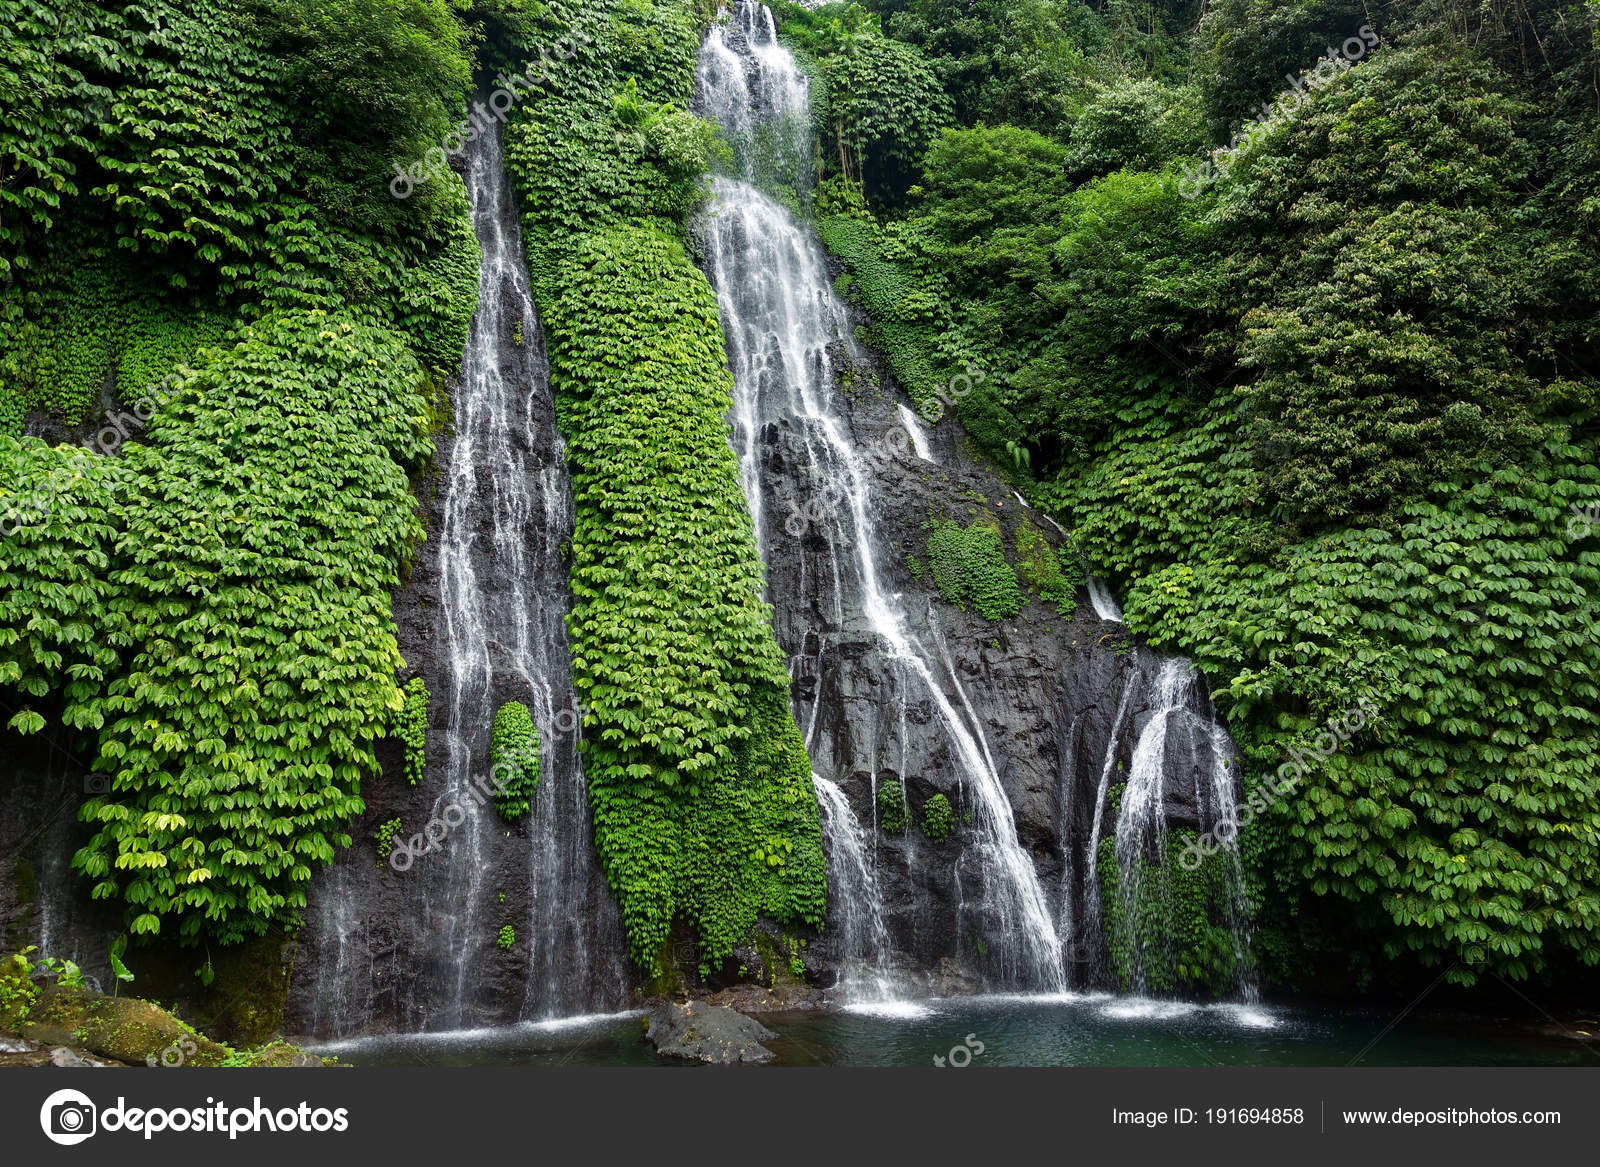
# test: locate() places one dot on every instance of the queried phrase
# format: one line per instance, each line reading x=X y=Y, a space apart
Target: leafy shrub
x=411 y=727
x=506 y=938
x=515 y=766
x=938 y=819
x=969 y=566
x=892 y=807
x=1139 y=125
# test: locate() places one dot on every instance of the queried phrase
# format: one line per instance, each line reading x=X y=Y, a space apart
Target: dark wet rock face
x=700 y=1032
x=43 y=902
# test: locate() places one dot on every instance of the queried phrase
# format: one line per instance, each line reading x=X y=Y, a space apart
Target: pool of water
x=1068 y=1030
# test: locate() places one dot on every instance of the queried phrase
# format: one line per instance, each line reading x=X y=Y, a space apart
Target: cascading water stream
x=500 y=634
x=868 y=973
x=1088 y=933
x=1102 y=601
x=919 y=440
x=783 y=321
x=504 y=599
x=1141 y=825
x=1180 y=741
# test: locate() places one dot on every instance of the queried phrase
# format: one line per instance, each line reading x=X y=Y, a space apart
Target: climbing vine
x=411 y=727
x=892 y=807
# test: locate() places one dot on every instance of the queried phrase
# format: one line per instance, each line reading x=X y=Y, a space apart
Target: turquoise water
x=1071 y=1030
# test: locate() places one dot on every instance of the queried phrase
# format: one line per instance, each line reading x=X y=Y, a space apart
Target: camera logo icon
x=68 y=1117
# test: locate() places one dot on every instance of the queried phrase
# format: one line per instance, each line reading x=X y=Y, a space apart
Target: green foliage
x=262 y=528
x=1033 y=63
x=212 y=603
x=1138 y=125
x=608 y=138
x=882 y=104
x=161 y=113
x=969 y=565
x=506 y=938
x=411 y=727
x=1248 y=48
x=66 y=972
x=119 y=970
x=18 y=993
x=906 y=300
x=1327 y=421
x=515 y=767
x=892 y=807
x=228 y=152
x=938 y=819
x=1040 y=567
x=88 y=319
x=384 y=837
x=698 y=779
x=57 y=533
x=373 y=85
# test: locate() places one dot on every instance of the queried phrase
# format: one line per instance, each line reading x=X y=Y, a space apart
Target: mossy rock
x=278 y=1055
x=25 y=890
x=245 y=1001
x=122 y=1028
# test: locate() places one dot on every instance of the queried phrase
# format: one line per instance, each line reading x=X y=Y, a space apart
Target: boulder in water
x=701 y=1032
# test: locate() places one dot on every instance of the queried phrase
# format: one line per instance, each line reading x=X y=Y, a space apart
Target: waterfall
x=784 y=326
x=495 y=632
x=1141 y=823
x=1101 y=600
x=866 y=971
x=1222 y=787
x=919 y=440
x=1089 y=935
x=504 y=600
x=1180 y=742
